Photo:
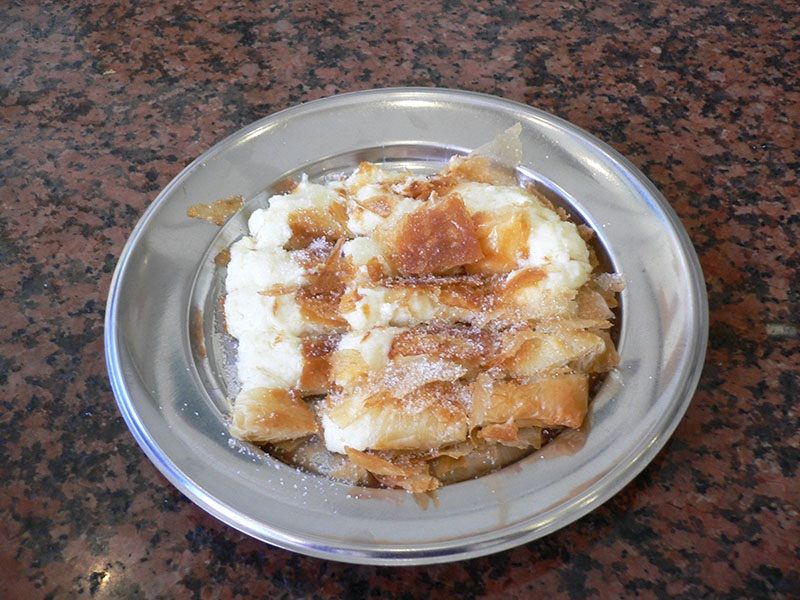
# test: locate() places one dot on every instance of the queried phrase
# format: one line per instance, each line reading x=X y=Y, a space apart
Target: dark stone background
x=102 y=103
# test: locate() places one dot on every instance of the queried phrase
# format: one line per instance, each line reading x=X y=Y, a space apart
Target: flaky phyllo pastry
x=411 y=331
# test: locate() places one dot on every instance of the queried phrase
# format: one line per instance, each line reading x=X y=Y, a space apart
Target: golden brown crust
x=506 y=354
x=605 y=360
x=480 y=169
x=380 y=205
x=196 y=332
x=425 y=418
x=500 y=432
x=313 y=257
x=416 y=483
x=462 y=344
x=216 y=212
x=309 y=225
x=411 y=474
x=542 y=351
x=319 y=299
x=271 y=415
x=503 y=238
x=514 y=351
x=558 y=401
x=316 y=374
x=375 y=464
x=436 y=238
x=424 y=189
x=284 y=186
x=347 y=367
x=223 y=257
x=592 y=305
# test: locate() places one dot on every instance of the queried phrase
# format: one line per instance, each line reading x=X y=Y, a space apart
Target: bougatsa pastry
x=408 y=331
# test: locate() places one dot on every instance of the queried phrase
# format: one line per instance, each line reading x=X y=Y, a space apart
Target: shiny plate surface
x=170 y=364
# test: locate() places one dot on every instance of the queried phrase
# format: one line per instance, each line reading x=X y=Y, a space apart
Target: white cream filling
x=270 y=359
x=360 y=251
x=269 y=327
x=557 y=247
x=553 y=245
x=247 y=311
x=261 y=268
x=270 y=226
x=362 y=221
x=381 y=307
x=358 y=435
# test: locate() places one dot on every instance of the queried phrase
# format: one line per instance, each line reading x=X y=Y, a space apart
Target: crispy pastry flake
x=271 y=415
x=436 y=238
x=216 y=212
x=412 y=331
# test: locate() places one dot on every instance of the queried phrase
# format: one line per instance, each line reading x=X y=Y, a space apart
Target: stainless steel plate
x=161 y=307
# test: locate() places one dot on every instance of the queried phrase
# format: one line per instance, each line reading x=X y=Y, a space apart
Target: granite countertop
x=102 y=104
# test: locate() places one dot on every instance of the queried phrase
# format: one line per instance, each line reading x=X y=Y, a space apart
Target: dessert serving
x=412 y=331
x=365 y=345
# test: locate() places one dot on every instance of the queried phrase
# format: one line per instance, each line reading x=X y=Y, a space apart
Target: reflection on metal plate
x=163 y=308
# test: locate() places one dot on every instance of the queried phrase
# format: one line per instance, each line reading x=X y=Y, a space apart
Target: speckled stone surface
x=102 y=103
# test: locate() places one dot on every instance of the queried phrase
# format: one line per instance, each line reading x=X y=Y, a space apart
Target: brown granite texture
x=102 y=103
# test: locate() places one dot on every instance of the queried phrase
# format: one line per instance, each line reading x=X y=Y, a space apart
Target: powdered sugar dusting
x=408 y=311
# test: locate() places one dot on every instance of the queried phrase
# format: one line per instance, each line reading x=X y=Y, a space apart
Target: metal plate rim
x=614 y=480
